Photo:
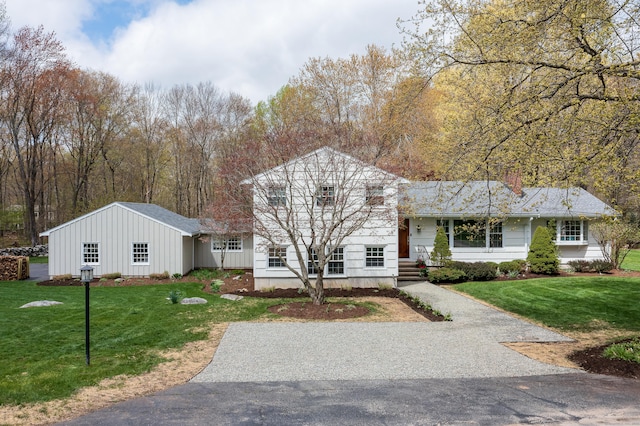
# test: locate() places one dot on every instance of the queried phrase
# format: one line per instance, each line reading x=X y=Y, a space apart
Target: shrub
x=176 y=276
x=446 y=275
x=159 y=276
x=579 y=265
x=510 y=267
x=494 y=265
x=441 y=252
x=543 y=255
x=112 y=275
x=478 y=271
x=601 y=266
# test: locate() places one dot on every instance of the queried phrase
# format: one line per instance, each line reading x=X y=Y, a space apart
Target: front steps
x=409 y=272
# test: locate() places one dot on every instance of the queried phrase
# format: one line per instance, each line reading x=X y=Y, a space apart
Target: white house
x=325 y=207
x=331 y=200
x=491 y=221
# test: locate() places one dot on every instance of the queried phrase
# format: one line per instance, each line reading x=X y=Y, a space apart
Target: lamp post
x=86 y=275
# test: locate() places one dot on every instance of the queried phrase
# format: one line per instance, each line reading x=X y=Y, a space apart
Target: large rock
x=40 y=303
x=193 y=301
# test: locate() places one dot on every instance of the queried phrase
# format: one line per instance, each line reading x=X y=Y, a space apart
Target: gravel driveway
x=467 y=347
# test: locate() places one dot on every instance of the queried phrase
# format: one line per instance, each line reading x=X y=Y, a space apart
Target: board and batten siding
x=115 y=229
x=206 y=258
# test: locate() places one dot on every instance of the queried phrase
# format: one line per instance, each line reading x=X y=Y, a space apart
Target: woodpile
x=14 y=268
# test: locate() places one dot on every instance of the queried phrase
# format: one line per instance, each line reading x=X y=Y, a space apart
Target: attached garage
x=133 y=239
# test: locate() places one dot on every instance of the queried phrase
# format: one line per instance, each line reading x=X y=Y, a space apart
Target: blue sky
x=250 y=47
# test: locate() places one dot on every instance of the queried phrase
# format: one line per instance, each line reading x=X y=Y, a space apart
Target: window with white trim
x=469 y=233
x=336 y=262
x=277 y=196
x=90 y=253
x=325 y=196
x=375 y=195
x=140 y=253
x=228 y=244
x=573 y=230
x=276 y=257
x=312 y=262
x=374 y=257
x=495 y=235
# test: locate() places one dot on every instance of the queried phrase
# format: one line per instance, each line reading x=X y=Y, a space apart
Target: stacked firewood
x=14 y=268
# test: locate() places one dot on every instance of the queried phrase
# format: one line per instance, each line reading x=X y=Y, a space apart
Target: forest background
x=546 y=90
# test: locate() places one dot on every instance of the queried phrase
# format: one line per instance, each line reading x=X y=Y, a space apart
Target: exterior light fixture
x=86 y=275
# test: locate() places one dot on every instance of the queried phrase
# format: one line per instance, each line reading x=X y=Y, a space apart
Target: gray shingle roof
x=160 y=214
x=493 y=198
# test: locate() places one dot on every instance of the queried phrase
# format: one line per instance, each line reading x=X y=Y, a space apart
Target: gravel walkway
x=467 y=347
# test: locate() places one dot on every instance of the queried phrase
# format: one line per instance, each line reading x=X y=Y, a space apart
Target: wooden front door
x=403 y=240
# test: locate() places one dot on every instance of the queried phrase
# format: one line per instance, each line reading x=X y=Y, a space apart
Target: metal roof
x=496 y=199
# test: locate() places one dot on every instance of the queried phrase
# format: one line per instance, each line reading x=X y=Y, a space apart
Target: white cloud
x=251 y=47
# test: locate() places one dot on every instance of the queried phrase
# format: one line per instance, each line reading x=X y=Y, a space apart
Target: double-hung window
x=334 y=266
x=375 y=195
x=495 y=235
x=374 y=257
x=277 y=196
x=325 y=196
x=336 y=262
x=90 y=253
x=140 y=253
x=312 y=262
x=277 y=257
x=573 y=230
x=227 y=244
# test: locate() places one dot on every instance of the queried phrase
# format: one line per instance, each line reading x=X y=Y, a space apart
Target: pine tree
x=441 y=252
x=543 y=255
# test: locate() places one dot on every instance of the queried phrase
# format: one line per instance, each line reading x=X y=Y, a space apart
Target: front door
x=403 y=240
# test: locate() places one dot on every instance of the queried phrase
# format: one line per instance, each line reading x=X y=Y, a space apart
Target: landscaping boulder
x=40 y=303
x=193 y=301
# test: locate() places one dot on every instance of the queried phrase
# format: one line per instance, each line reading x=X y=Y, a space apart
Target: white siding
x=516 y=234
x=115 y=228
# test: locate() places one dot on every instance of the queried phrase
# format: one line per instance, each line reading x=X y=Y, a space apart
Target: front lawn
x=566 y=303
x=631 y=261
x=43 y=349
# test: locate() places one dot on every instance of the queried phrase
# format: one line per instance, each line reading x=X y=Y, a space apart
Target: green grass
x=567 y=303
x=42 y=350
x=39 y=259
x=632 y=261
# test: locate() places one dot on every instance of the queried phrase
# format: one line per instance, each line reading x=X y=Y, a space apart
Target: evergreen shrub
x=543 y=254
x=446 y=275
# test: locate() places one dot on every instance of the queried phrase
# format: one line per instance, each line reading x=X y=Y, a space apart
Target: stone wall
x=37 y=251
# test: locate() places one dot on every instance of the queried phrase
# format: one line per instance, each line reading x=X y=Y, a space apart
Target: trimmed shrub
x=510 y=267
x=580 y=265
x=446 y=275
x=543 y=254
x=601 y=266
x=477 y=271
x=441 y=252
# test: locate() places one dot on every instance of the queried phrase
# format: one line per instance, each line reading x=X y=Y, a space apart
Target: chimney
x=513 y=179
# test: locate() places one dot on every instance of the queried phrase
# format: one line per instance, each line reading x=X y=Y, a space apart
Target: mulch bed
x=593 y=361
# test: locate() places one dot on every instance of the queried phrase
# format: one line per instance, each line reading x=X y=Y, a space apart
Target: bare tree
x=316 y=205
x=35 y=72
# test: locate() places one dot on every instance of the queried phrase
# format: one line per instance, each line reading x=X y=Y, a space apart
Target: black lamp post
x=86 y=275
